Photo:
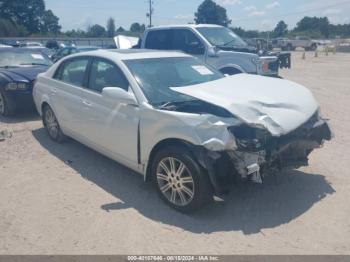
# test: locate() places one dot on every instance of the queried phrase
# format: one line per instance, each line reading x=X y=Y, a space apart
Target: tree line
x=314 y=27
x=31 y=18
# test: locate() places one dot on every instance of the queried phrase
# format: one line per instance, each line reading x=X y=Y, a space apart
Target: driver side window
x=186 y=41
x=106 y=74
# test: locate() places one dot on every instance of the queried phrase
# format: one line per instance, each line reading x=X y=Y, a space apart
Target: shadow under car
x=248 y=207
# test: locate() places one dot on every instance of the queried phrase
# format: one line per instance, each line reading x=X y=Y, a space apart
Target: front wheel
x=7 y=105
x=52 y=126
x=180 y=181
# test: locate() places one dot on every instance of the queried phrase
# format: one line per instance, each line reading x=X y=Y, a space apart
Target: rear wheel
x=7 y=105
x=180 y=181
x=52 y=126
x=313 y=47
x=289 y=47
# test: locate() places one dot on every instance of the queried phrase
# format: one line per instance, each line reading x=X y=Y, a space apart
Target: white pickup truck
x=214 y=45
x=291 y=44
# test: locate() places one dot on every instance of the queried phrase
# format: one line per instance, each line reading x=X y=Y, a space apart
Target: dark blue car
x=19 y=68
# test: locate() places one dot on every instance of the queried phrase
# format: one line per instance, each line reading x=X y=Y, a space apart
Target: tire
x=7 y=105
x=185 y=187
x=230 y=71
x=313 y=47
x=52 y=126
x=289 y=47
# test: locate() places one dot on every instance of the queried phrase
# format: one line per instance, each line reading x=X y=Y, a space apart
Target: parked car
x=292 y=44
x=5 y=46
x=215 y=45
x=9 y=42
x=52 y=44
x=32 y=44
x=68 y=50
x=18 y=70
x=180 y=123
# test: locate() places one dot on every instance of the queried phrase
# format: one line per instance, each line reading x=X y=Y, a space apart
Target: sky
x=248 y=14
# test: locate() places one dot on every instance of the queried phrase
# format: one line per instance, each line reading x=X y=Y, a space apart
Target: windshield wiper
x=6 y=67
x=229 y=42
x=39 y=64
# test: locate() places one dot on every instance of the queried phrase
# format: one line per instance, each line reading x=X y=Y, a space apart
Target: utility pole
x=150 y=13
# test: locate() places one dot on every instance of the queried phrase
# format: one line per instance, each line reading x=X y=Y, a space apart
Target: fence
x=100 y=42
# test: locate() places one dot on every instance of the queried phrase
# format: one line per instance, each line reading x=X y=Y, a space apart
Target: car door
x=159 y=39
x=110 y=126
x=66 y=93
x=186 y=40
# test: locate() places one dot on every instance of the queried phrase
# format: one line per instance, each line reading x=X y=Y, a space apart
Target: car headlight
x=17 y=86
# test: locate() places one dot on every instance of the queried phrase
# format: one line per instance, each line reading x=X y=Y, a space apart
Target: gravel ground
x=68 y=199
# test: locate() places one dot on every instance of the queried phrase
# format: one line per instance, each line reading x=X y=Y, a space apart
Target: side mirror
x=213 y=51
x=119 y=94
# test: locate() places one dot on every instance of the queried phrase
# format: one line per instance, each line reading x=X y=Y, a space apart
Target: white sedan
x=180 y=123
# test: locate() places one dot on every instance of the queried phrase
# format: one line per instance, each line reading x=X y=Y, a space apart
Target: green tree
x=281 y=29
x=143 y=28
x=76 y=33
x=313 y=25
x=9 y=28
x=50 y=23
x=110 y=27
x=120 y=29
x=135 y=28
x=97 y=31
x=211 y=13
x=28 y=13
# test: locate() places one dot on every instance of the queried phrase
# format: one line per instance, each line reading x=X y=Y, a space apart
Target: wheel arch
x=163 y=144
x=45 y=101
x=236 y=68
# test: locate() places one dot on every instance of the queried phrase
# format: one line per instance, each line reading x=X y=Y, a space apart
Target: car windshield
x=17 y=57
x=157 y=75
x=221 y=36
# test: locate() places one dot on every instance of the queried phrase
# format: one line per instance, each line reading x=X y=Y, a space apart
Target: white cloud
x=256 y=13
x=331 y=11
x=230 y=2
x=250 y=8
x=273 y=5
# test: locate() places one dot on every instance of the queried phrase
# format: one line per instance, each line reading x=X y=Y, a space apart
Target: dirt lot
x=67 y=199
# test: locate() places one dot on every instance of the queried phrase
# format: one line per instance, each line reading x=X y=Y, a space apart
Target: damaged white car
x=183 y=125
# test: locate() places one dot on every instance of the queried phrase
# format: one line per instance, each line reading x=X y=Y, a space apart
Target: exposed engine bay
x=259 y=147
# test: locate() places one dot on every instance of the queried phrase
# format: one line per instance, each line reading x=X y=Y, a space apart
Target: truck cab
x=215 y=45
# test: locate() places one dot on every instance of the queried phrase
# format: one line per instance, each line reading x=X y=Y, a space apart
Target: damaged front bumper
x=258 y=153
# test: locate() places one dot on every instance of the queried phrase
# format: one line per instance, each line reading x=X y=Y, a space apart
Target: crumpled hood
x=23 y=74
x=280 y=106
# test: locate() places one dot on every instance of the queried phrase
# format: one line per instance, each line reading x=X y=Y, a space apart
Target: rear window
x=73 y=71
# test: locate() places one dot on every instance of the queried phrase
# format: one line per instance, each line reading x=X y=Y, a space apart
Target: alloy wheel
x=175 y=181
x=2 y=104
x=51 y=123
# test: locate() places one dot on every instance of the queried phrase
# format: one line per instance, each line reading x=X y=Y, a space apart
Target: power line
x=299 y=12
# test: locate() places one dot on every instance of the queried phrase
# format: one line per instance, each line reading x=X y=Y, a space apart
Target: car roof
x=131 y=54
x=185 y=26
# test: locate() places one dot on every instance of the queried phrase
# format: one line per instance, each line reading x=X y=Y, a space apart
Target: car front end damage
x=256 y=153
